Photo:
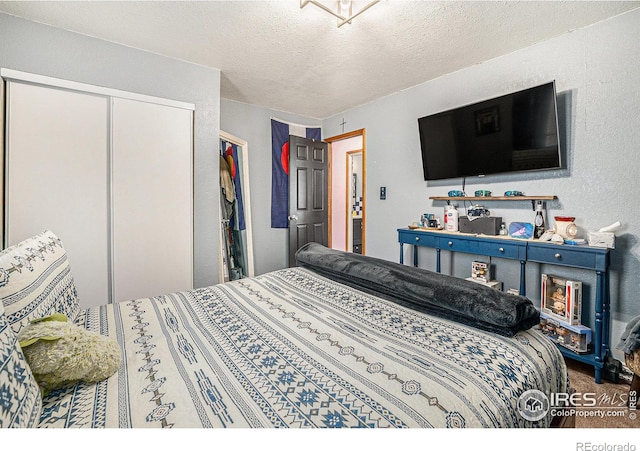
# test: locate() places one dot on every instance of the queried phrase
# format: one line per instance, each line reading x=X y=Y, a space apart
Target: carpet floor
x=610 y=409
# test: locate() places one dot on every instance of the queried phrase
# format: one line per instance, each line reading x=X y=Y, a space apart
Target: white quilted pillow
x=36 y=281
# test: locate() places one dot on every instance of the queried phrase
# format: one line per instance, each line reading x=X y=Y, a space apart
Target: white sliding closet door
x=109 y=172
x=56 y=157
x=152 y=199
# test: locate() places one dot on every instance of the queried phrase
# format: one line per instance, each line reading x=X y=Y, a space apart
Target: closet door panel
x=152 y=199
x=56 y=161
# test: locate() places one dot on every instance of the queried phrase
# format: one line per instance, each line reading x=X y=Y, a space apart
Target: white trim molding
x=16 y=75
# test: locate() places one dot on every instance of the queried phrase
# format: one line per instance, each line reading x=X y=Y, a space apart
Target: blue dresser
x=525 y=251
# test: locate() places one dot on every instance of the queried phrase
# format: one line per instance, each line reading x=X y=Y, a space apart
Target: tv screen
x=511 y=133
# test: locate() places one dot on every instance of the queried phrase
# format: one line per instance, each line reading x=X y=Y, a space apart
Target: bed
x=339 y=341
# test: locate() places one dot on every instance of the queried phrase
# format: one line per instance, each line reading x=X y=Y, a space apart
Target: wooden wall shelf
x=484 y=198
x=533 y=199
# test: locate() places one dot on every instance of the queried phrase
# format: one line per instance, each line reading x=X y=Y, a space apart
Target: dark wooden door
x=308 y=193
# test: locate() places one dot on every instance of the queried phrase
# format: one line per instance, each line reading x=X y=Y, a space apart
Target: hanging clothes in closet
x=233 y=218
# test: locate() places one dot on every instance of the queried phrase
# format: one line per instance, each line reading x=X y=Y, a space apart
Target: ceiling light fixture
x=344 y=10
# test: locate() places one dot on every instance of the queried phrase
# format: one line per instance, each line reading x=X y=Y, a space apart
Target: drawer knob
x=501 y=249
x=417 y=238
x=450 y=243
x=558 y=256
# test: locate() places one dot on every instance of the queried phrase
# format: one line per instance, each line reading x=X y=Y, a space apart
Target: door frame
x=244 y=149
x=363 y=133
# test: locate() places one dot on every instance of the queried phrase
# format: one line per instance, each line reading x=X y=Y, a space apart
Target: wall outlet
x=383 y=192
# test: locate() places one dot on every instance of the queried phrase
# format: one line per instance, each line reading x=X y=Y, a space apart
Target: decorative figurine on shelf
x=563 y=335
x=477 y=211
x=575 y=341
x=538 y=222
x=559 y=303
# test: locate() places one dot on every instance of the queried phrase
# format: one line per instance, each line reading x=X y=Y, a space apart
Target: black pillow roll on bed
x=446 y=296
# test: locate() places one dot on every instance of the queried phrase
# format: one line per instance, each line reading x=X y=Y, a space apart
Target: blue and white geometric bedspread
x=294 y=349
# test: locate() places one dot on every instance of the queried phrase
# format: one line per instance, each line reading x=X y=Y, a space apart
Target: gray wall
x=596 y=76
x=253 y=124
x=36 y=48
x=596 y=73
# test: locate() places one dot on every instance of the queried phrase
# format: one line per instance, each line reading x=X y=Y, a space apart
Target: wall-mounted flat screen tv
x=512 y=133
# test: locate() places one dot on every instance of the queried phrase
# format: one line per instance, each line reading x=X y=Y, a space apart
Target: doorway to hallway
x=347 y=188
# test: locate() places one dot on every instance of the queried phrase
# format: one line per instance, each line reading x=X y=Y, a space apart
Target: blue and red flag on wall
x=280 y=132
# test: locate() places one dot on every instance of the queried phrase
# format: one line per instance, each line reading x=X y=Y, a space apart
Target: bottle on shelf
x=451 y=218
x=538 y=222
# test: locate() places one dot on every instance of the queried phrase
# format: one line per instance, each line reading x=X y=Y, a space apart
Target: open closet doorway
x=236 y=237
x=347 y=188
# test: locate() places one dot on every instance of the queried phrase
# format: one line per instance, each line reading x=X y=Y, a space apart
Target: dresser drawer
x=417 y=238
x=458 y=244
x=484 y=246
x=503 y=249
x=581 y=257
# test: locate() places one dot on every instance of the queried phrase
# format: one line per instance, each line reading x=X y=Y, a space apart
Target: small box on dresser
x=602 y=239
x=561 y=298
x=480 y=225
x=481 y=271
x=574 y=337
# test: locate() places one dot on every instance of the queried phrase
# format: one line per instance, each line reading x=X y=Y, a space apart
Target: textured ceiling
x=278 y=55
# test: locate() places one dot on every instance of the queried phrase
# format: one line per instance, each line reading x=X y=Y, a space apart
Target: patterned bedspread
x=294 y=349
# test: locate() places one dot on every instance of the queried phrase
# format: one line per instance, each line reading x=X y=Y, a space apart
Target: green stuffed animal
x=60 y=353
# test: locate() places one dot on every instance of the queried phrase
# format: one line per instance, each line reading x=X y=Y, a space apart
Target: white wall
x=596 y=72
